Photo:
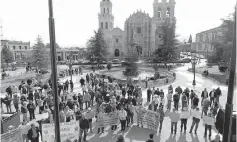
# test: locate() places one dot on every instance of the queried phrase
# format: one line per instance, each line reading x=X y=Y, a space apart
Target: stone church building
x=140 y=29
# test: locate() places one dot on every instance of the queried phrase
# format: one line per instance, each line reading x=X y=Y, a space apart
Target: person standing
x=16 y=102
x=87 y=78
x=204 y=94
x=217 y=94
x=24 y=111
x=31 y=108
x=67 y=85
x=162 y=115
x=212 y=96
x=149 y=94
x=87 y=99
x=140 y=114
x=184 y=120
x=174 y=117
x=196 y=120
x=169 y=100
x=71 y=85
x=195 y=102
x=33 y=133
x=146 y=82
x=184 y=101
x=192 y=95
x=131 y=112
x=80 y=100
x=208 y=127
x=84 y=126
x=89 y=115
x=176 y=100
x=115 y=118
x=122 y=116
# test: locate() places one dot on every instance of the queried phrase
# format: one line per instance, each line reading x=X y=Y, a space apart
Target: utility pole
x=227 y=134
x=54 y=72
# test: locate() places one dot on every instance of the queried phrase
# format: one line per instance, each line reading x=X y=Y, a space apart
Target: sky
x=75 y=20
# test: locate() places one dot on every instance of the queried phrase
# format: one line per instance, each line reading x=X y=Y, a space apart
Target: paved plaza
x=136 y=134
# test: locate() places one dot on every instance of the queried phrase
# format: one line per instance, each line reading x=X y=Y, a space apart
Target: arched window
x=20 y=47
x=116 y=52
x=101 y=25
x=106 y=25
x=159 y=13
x=104 y=10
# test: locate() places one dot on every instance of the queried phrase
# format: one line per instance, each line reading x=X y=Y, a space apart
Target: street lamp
x=194 y=62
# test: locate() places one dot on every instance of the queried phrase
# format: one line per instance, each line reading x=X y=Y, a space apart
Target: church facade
x=141 y=31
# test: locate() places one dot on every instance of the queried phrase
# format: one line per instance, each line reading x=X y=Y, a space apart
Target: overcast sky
x=75 y=20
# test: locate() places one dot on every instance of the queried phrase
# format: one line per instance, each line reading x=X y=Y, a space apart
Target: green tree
x=167 y=50
x=40 y=57
x=6 y=56
x=97 y=47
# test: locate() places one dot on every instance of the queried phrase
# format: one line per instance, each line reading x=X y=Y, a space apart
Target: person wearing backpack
x=184 y=101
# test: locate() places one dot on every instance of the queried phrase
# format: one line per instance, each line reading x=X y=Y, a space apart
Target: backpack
x=176 y=97
x=24 y=90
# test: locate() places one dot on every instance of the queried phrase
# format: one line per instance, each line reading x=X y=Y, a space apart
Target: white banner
x=184 y=114
x=69 y=130
x=148 y=118
x=208 y=120
x=12 y=136
x=107 y=119
x=41 y=116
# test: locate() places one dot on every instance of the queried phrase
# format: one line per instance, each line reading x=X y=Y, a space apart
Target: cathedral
x=142 y=34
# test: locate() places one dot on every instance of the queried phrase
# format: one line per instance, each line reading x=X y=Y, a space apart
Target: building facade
x=140 y=29
x=203 y=43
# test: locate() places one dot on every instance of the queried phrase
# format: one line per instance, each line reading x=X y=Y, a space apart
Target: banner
x=149 y=119
x=208 y=120
x=69 y=130
x=41 y=116
x=184 y=114
x=12 y=136
x=196 y=114
x=107 y=119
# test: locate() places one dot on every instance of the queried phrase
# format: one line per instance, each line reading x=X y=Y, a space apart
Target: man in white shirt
x=122 y=117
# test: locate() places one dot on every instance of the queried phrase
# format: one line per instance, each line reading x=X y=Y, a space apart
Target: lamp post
x=70 y=66
x=54 y=72
x=194 y=62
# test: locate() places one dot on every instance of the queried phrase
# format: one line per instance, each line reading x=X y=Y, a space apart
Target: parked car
x=116 y=61
x=43 y=71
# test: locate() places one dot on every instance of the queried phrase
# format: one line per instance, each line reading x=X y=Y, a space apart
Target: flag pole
x=54 y=71
x=227 y=134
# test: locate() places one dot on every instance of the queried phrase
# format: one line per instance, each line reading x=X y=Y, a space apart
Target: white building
x=139 y=28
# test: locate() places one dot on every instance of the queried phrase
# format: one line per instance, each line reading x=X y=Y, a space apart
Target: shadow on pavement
x=172 y=138
x=194 y=139
x=182 y=138
x=139 y=134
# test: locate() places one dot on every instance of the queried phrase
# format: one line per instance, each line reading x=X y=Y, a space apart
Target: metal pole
x=54 y=71
x=229 y=105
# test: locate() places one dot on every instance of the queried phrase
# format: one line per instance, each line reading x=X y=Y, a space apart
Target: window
x=25 y=47
x=108 y=10
x=168 y=12
x=160 y=36
x=159 y=14
x=106 y=25
x=117 y=40
x=14 y=47
x=20 y=47
x=101 y=25
x=104 y=10
x=139 y=30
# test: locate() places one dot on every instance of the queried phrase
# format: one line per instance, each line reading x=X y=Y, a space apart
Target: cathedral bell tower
x=163 y=9
x=106 y=19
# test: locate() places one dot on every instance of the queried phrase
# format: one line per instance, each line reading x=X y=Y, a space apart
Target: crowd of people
x=123 y=99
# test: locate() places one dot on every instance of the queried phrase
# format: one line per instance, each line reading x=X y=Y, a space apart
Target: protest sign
x=184 y=114
x=69 y=130
x=149 y=119
x=108 y=119
x=208 y=120
x=12 y=136
x=196 y=114
x=41 y=116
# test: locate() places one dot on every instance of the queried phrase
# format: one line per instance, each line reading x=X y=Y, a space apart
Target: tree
x=169 y=39
x=48 y=45
x=40 y=57
x=223 y=43
x=6 y=56
x=97 y=47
